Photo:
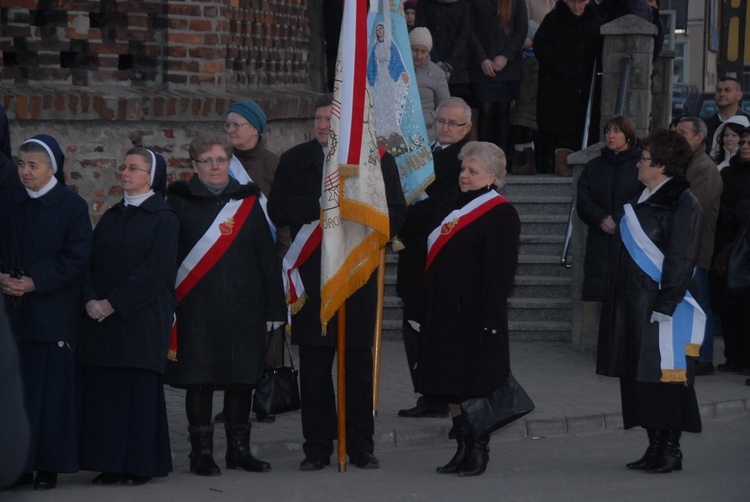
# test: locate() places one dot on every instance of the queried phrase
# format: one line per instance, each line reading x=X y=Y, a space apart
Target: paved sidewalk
x=570 y=399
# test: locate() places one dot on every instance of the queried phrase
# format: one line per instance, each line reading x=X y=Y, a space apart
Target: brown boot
x=529 y=162
x=561 y=162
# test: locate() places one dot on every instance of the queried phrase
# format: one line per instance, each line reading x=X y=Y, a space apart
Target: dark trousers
x=318 y=400
x=411 y=347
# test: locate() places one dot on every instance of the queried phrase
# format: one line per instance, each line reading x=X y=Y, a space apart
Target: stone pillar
x=661 y=90
x=628 y=36
x=584 y=316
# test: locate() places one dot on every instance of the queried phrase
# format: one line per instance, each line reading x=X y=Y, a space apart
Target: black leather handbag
x=509 y=402
x=277 y=390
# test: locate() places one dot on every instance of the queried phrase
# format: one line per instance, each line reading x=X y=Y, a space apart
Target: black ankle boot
x=238 y=449
x=477 y=457
x=462 y=439
x=654 y=443
x=669 y=457
x=201 y=457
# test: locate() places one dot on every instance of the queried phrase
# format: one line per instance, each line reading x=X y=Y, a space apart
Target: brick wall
x=104 y=75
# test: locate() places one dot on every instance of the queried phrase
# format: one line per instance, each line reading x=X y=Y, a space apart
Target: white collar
x=137 y=200
x=44 y=190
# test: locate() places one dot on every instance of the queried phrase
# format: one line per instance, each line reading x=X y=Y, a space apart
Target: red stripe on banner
x=308 y=247
x=360 y=83
x=462 y=223
x=216 y=251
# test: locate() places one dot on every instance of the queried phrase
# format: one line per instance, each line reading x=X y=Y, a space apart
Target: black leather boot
x=477 y=457
x=669 y=457
x=464 y=443
x=201 y=457
x=238 y=449
x=654 y=444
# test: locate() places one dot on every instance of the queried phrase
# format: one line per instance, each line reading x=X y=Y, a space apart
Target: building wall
x=102 y=76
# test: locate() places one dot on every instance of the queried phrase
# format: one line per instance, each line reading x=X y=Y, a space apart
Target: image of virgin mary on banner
x=399 y=123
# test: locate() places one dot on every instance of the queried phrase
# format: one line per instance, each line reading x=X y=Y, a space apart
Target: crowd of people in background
x=105 y=318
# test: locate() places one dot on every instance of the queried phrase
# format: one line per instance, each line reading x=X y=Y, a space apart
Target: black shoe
x=133 y=480
x=45 y=480
x=25 y=478
x=365 y=461
x=729 y=368
x=220 y=417
x=108 y=478
x=201 y=455
x=314 y=464
x=703 y=368
x=422 y=412
x=265 y=419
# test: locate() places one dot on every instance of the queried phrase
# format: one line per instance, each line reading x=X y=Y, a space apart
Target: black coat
x=221 y=323
x=628 y=342
x=450 y=26
x=295 y=201
x=133 y=265
x=467 y=287
x=49 y=238
x=488 y=40
x=565 y=46
x=606 y=184
x=417 y=227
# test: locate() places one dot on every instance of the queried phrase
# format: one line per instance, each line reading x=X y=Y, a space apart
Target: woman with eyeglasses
x=651 y=325
x=44 y=252
x=732 y=305
x=129 y=305
x=229 y=294
x=606 y=183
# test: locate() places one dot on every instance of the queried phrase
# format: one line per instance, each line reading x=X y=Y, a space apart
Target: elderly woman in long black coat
x=464 y=350
x=606 y=183
x=129 y=300
x=229 y=294
x=44 y=251
x=642 y=334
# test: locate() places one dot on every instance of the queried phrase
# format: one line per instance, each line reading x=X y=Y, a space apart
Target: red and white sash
x=307 y=240
x=459 y=219
x=208 y=250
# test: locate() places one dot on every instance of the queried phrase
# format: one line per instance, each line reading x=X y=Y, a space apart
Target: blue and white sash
x=683 y=334
x=237 y=171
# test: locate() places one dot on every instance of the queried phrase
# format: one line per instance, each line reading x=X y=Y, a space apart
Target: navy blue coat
x=295 y=201
x=49 y=238
x=133 y=265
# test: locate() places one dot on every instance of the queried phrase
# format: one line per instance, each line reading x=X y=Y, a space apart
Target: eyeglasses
x=233 y=126
x=743 y=142
x=133 y=168
x=451 y=124
x=645 y=159
x=208 y=162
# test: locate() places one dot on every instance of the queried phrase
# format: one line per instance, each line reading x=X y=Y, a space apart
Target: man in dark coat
x=416 y=228
x=295 y=201
x=566 y=46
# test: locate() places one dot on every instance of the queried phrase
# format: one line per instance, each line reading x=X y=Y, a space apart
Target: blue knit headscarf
x=250 y=112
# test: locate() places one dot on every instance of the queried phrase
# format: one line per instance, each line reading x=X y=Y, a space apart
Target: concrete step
x=544 y=244
x=543 y=224
x=548 y=331
x=541 y=265
x=532 y=286
x=540 y=184
x=539 y=309
x=541 y=204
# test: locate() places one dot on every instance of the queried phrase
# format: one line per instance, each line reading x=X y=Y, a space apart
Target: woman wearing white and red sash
x=229 y=293
x=471 y=263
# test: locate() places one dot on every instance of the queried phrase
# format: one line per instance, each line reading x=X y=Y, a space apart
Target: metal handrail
x=622 y=88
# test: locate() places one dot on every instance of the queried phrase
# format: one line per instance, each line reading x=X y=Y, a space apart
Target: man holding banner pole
x=299 y=189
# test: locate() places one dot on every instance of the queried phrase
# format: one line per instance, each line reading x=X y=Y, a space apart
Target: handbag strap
x=285 y=344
